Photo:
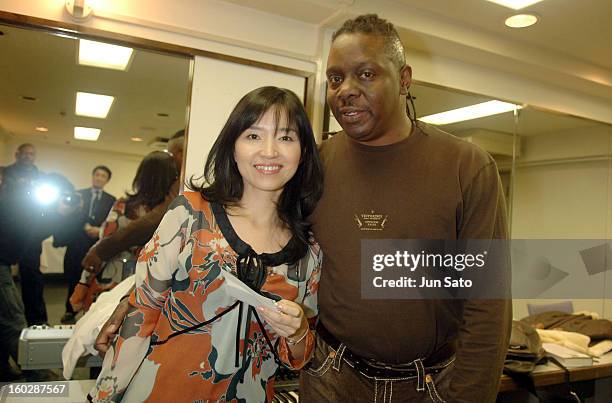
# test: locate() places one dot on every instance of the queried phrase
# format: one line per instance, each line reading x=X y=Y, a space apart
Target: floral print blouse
x=185 y=339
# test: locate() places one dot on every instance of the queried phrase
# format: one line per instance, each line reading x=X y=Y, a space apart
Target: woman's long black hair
x=154 y=177
x=223 y=183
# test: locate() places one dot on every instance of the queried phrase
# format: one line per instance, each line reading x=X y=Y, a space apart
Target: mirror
x=41 y=76
x=40 y=80
x=556 y=172
x=562 y=193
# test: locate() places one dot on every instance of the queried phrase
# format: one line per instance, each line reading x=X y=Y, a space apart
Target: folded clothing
x=575 y=341
x=87 y=328
x=596 y=329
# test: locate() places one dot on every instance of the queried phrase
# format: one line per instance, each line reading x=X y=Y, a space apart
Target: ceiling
x=568 y=47
x=578 y=29
x=44 y=66
x=40 y=65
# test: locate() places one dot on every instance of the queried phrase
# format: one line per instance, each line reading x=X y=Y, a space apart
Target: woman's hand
x=287 y=321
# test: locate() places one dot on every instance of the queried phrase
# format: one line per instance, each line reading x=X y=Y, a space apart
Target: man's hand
x=109 y=330
x=92 y=262
x=92 y=232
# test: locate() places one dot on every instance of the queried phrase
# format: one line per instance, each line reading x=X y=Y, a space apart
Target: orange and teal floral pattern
x=179 y=285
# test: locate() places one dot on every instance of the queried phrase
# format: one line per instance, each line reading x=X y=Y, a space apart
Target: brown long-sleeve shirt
x=139 y=231
x=429 y=186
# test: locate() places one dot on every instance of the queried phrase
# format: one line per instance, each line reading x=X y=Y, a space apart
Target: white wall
x=217 y=88
x=76 y=164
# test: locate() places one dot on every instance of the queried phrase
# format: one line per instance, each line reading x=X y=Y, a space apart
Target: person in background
x=23 y=169
x=151 y=185
x=140 y=230
x=23 y=174
x=29 y=213
x=82 y=230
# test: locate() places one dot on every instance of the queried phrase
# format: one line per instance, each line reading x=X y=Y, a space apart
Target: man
x=82 y=230
x=23 y=169
x=139 y=231
x=23 y=175
x=24 y=223
x=428 y=185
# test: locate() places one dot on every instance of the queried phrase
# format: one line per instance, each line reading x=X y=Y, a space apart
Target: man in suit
x=83 y=230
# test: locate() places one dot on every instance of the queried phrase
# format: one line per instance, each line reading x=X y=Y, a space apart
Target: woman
x=154 y=177
x=185 y=338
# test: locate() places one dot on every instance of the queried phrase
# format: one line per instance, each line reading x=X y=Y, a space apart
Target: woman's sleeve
x=110 y=225
x=310 y=305
x=156 y=264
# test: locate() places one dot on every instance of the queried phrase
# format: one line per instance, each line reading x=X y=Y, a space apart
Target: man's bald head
x=176 y=145
x=26 y=154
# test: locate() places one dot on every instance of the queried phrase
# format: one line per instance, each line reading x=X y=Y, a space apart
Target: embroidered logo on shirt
x=371 y=221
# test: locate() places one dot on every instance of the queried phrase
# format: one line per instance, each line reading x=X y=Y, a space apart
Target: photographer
x=20 y=177
x=30 y=211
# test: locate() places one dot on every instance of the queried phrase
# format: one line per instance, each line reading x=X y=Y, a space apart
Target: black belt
x=374 y=369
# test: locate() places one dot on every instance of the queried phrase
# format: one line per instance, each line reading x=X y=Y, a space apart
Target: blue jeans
x=330 y=378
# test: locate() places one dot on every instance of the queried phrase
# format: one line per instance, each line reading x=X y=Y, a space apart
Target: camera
x=49 y=192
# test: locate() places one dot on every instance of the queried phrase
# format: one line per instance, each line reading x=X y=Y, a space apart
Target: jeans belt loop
x=338 y=357
x=420 y=375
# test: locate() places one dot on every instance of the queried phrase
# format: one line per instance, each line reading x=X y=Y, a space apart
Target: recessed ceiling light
x=86 y=133
x=93 y=105
x=41 y=129
x=104 y=55
x=521 y=20
x=162 y=115
x=137 y=139
x=28 y=98
x=470 y=112
x=515 y=4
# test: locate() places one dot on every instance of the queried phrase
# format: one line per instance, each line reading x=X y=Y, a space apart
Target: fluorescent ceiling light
x=86 y=133
x=469 y=112
x=104 y=55
x=94 y=105
x=515 y=4
x=521 y=20
x=136 y=139
x=41 y=129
